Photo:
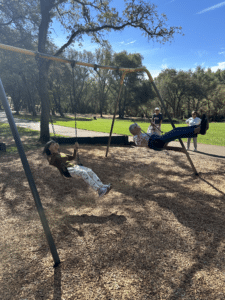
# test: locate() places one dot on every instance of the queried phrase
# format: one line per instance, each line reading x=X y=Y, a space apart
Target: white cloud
x=201 y=53
x=222 y=52
x=212 y=7
x=164 y=66
x=221 y=66
x=131 y=42
x=154 y=73
x=126 y=43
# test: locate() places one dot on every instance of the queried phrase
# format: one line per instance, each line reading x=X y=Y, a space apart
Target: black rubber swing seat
x=204 y=125
x=2 y=147
x=97 y=140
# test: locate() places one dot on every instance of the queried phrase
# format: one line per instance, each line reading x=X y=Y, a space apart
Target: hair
x=132 y=127
x=46 y=148
x=195 y=112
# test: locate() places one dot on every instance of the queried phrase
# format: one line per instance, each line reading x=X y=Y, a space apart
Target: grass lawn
x=29 y=138
x=214 y=136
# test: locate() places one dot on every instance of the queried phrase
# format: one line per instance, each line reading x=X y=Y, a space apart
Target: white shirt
x=195 y=121
x=142 y=139
x=151 y=130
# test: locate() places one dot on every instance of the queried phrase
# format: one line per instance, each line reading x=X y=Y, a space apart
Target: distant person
x=157 y=121
x=193 y=121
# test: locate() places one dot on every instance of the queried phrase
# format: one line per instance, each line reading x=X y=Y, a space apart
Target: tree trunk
x=16 y=102
x=45 y=110
x=59 y=108
x=189 y=107
x=30 y=102
x=43 y=67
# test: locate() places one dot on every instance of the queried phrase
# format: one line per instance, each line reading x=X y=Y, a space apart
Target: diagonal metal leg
x=29 y=176
x=171 y=121
x=117 y=101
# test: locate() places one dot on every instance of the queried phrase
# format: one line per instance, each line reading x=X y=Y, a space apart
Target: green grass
x=29 y=138
x=27 y=117
x=215 y=135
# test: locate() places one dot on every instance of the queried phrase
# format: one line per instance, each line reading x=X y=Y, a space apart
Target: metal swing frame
x=19 y=145
x=125 y=72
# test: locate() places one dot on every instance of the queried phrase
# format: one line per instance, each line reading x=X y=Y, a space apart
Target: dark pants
x=157 y=142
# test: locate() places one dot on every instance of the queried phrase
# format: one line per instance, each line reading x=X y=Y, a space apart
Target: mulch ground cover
x=159 y=233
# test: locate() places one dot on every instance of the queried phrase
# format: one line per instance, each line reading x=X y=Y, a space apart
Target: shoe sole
x=108 y=190
x=105 y=193
x=205 y=125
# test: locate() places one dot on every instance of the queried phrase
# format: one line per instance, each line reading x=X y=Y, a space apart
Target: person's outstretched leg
x=179 y=132
x=90 y=178
x=157 y=142
x=81 y=171
x=94 y=177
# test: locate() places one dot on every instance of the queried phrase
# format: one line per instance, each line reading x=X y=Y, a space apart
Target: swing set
x=19 y=145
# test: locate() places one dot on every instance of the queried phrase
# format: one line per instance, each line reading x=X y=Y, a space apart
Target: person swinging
x=158 y=143
x=63 y=162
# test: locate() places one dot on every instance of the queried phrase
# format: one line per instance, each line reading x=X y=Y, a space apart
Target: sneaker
x=187 y=149
x=195 y=150
x=102 y=191
x=108 y=188
x=204 y=125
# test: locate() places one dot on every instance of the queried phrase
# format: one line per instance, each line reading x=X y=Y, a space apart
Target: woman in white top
x=193 y=121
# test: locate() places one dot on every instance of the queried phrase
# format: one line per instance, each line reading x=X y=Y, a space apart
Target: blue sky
x=203 y=42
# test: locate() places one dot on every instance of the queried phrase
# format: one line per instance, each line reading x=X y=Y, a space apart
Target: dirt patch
x=159 y=234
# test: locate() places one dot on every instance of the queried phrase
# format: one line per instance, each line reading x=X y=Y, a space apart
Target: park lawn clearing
x=29 y=138
x=159 y=233
x=215 y=135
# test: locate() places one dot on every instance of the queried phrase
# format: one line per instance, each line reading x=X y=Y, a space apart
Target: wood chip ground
x=159 y=233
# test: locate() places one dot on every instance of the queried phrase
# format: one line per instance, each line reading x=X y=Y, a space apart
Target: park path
x=65 y=131
x=203 y=149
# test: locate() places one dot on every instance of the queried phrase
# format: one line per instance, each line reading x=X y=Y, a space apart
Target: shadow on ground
x=159 y=233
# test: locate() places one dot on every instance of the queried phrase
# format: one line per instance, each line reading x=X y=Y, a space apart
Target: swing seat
x=100 y=140
x=2 y=147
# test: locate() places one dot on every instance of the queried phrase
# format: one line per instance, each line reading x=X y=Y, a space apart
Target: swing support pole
x=171 y=121
x=29 y=175
x=116 y=106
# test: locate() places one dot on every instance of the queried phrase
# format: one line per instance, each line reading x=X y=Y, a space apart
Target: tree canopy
x=28 y=24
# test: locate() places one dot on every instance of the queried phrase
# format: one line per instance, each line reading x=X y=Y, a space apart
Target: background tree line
x=41 y=85
x=28 y=24
x=201 y=90
x=82 y=90
x=89 y=91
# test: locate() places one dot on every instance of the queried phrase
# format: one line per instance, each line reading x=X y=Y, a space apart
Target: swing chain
x=53 y=129
x=73 y=63
x=95 y=67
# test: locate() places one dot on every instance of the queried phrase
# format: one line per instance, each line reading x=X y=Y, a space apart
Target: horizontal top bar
x=64 y=60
